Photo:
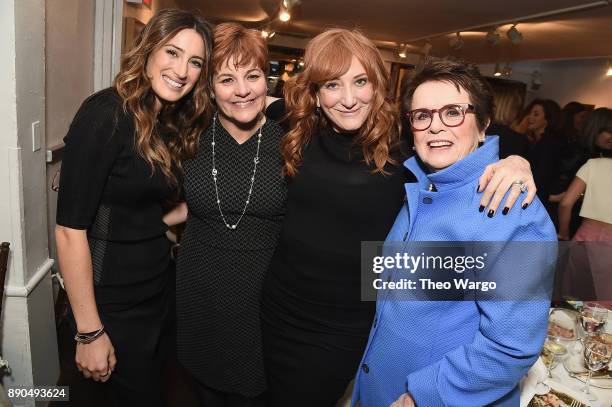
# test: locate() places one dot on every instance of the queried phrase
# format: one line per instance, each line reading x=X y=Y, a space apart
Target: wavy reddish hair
x=328 y=56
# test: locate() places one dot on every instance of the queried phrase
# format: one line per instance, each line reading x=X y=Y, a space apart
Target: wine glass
x=554 y=347
x=593 y=318
x=597 y=356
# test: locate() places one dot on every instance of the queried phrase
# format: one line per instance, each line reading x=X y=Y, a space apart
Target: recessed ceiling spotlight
x=609 y=71
x=456 y=42
x=514 y=35
x=493 y=37
x=402 y=51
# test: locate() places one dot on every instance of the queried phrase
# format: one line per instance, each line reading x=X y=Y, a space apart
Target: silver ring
x=521 y=185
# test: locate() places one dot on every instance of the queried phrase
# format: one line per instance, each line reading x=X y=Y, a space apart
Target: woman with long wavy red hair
x=343 y=159
x=122 y=164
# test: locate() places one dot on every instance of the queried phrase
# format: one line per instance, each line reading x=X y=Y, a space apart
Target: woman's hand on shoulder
x=96 y=360
x=504 y=175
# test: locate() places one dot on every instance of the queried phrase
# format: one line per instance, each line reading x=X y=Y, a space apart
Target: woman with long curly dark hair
x=122 y=164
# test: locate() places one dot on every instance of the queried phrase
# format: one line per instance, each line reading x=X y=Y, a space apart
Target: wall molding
x=25 y=290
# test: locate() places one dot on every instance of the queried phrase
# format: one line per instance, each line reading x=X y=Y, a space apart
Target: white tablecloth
x=565 y=384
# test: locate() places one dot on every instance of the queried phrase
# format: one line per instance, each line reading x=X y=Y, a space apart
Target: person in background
x=507 y=107
x=462 y=353
x=573 y=156
x=545 y=152
x=342 y=158
x=122 y=164
x=593 y=181
x=235 y=203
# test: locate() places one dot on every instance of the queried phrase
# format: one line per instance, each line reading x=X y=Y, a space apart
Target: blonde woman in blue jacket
x=457 y=353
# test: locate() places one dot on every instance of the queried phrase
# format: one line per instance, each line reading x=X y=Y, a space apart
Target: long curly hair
x=328 y=56
x=183 y=121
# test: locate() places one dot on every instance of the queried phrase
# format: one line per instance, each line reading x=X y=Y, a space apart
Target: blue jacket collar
x=462 y=172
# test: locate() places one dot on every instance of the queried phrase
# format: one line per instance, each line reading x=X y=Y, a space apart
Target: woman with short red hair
x=235 y=196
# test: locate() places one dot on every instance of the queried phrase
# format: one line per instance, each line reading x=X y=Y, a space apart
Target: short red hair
x=246 y=46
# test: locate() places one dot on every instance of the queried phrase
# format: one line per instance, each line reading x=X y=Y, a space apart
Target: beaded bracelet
x=89 y=337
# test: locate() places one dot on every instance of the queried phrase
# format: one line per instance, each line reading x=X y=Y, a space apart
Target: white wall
x=28 y=329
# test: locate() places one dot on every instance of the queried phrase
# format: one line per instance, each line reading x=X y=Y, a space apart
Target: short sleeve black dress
x=108 y=189
x=220 y=270
x=314 y=323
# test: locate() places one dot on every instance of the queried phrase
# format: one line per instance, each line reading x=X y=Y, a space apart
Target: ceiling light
x=456 y=42
x=267 y=33
x=507 y=70
x=514 y=35
x=284 y=15
x=497 y=71
x=609 y=71
x=493 y=37
x=402 y=51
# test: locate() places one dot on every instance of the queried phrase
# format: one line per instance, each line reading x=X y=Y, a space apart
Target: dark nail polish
x=478 y=188
x=491 y=213
x=505 y=211
x=481 y=208
x=524 y=206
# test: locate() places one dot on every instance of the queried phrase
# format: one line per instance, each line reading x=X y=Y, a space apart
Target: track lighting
x=456 y=42
x=514 y=35
x=284 y=14
x=497 y=70
x=267 y=33
x=507 y=71
x=493 y=37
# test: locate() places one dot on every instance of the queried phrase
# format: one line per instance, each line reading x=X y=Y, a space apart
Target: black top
x=510 y=141
x=544 y=158
x=220 y=270
x=107 y=188
x=334 y=203
x=260 y=224
x=101 y=169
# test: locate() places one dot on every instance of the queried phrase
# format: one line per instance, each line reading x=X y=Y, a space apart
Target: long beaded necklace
x=215 y=172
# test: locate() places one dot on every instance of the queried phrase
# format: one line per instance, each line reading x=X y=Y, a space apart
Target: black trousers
x=209 y=397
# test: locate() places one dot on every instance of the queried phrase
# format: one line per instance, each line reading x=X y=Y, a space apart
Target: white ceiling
x=552 y=29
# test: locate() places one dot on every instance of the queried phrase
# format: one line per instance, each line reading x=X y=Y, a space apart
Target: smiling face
x=536 y=121
x=440 y=146
x=240 y=92
x=175 y=68
x=346 y=101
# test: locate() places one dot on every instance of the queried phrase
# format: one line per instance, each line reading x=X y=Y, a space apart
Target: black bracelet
x=89 y=337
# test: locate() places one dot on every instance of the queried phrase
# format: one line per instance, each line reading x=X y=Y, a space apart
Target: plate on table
x=575 y=366
x=554 y=397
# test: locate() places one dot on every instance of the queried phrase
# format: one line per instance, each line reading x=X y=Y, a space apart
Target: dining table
x=564 y=378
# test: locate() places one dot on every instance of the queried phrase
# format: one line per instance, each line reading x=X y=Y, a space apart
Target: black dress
x=315 y=325
x=219 y=270
x=107 y=188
